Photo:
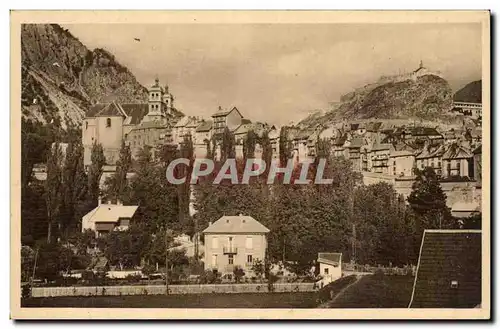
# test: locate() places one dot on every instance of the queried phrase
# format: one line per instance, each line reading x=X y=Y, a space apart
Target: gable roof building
x=449 y=270
x=236 y=224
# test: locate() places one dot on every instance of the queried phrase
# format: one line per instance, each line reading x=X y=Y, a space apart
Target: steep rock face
x=61 y=78
x=470 y=93
x=426 y=97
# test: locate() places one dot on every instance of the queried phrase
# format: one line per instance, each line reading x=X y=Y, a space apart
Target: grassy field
x=252 y=300
x=376 y=291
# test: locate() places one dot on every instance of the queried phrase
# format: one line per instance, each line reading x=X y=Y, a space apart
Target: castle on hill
x=413 y=75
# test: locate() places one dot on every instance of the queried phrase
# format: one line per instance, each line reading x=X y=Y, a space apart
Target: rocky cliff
x=61 y=78
x=426 y=97
x=470 y=93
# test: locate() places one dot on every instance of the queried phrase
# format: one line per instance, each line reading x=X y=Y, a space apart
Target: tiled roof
x=111 y=213
x=381 y=146
x=456 y=151
x=224 y=112
x=182 y=122
x=424 y=131
x=373 y=126
x=431 y=152
x=331 y=258
x=449 y=270
x=236 y=224
x=205 y=126
x=135 y=111
x=151 y=124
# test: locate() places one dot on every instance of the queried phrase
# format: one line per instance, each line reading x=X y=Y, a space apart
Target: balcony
x=229 y=250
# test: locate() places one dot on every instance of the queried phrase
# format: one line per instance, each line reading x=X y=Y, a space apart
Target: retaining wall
x=173 y=289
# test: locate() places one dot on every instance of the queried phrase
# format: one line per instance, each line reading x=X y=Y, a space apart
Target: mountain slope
x=470 y=93
x=61 y=78
x=425 y=97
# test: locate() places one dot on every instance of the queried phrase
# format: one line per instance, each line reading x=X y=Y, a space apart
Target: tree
x=258 y=268
x=124 y=248
x=53 y=185
x=74 y=187
x=473 y=222
x=227 y=146
x=238 y=273
x=116 y=186
x=95 y=172
x=428 y=202
x=249 y=145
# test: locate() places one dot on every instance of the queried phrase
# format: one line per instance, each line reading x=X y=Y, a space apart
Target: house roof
x=431 y=152
x=424 y=131
x=224 y=112
x=182 y=122
x=134 y=111
x=236 y=224
x=151 y=124
x=456 y=151
x=478 y=150
x=465 y=206
x=449 y=270
x=373 y=126
x=381 y=146
x=205 y=126
x=331 y=258
x=110 y=213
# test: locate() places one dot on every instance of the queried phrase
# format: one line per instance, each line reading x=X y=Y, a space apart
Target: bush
x=26 y=291
x=133 y=278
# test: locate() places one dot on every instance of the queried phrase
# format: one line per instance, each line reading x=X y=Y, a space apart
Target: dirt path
x=340 y=293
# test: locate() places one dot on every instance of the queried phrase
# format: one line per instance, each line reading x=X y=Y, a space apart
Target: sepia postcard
x=250 y=165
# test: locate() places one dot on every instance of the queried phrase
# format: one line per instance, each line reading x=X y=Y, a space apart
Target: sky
x=279 y=73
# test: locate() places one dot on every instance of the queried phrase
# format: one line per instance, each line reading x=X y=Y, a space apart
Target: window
x=249 y=259
x=458 y=168
x=215 y=243
x=326 y=270
x=108 y=122
x=454 y=284
x=230 y=259
x=214 y=260
x=249 y=243
x=86 y=124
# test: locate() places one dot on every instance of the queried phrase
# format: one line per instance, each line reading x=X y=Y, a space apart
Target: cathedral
x=136 y=124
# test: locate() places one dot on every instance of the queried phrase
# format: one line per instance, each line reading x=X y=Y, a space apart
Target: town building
x=402 y=160
x=110 y=124
x=457 y=161
x=353 y=145
x=234 y=241
x=379 y=158
x=223 y=119
x=330 y=266
x=431 y=156
x=108 y=217
x=274 y=139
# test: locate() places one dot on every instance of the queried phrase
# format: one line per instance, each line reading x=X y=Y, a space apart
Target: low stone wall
x=173 y=289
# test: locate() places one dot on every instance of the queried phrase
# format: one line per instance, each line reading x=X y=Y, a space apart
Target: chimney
x=210 y=223
x=109 y=201
x=240 y=214
x=99 y=200
x=119 y=202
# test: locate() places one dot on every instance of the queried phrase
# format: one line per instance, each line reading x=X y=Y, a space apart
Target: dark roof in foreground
x=449 y=270
x=236 y=224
